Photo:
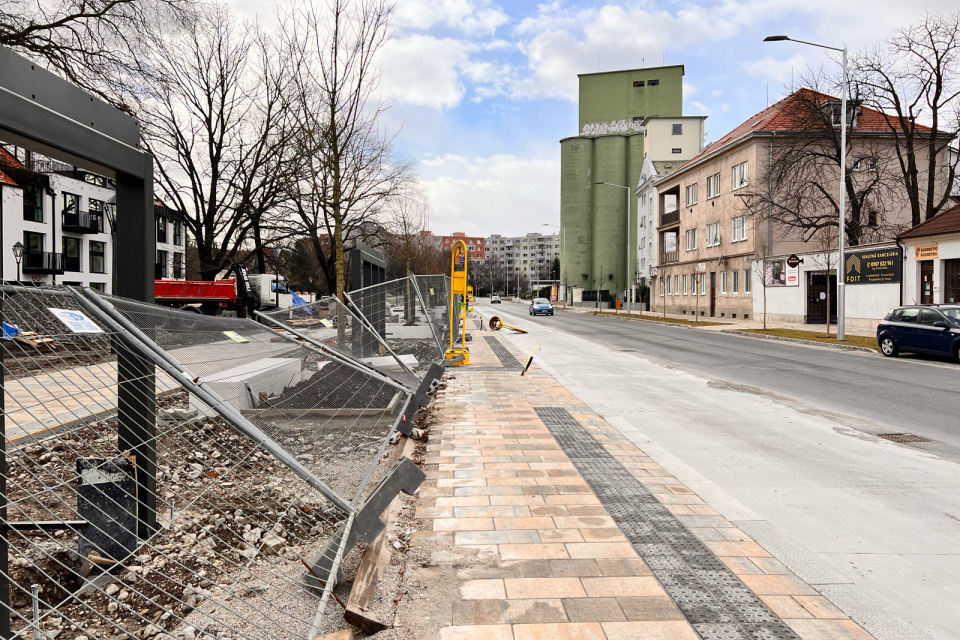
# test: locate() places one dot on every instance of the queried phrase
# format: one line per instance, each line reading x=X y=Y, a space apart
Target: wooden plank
x=372 y=564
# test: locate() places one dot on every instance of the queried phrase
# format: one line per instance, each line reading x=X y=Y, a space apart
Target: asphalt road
x=883 y=395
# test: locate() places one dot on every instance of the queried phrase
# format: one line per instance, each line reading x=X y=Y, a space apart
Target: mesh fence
x=435 y=291
x=330 y=324
x=225 y=530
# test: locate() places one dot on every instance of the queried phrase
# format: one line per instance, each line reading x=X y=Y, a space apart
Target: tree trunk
x=341 y=278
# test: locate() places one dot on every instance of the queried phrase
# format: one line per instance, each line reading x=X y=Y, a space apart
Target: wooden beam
x=375 y=559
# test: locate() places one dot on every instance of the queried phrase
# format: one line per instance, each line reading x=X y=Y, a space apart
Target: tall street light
x=627 y=272
x=563 y=253
x=841 y=275
x=18 y=256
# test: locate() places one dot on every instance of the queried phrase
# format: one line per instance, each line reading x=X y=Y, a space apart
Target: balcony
x=82 y=221
x=43 y=262
x=671 y=217
x=669 y=256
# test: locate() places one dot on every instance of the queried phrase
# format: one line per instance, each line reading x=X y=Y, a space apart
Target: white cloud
x=504 y=194
x=468 y=16
x=423 y=70
x=777 y=71
x=702 y=109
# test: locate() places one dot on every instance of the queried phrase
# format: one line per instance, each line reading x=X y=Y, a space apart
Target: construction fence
x=169 y=474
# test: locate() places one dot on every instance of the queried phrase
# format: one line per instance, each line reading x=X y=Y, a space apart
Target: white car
x=495 y=299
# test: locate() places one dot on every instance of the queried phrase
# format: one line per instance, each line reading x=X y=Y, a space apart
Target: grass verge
x=815 y=336
x=656 y=318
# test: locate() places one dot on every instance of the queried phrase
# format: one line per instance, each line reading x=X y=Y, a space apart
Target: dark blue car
x=541 y=305
x=921 y=329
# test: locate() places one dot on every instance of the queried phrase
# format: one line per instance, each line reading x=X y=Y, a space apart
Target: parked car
x=495 y=299
x=921 y=329
x=541 y=305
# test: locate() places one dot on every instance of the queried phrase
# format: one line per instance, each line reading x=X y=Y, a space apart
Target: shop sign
x=928 y=252
x=875 y=266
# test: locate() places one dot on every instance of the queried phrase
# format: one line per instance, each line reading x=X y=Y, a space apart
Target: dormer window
x=834 y=109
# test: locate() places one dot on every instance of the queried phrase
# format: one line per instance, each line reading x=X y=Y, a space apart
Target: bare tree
x=83 y=39
x=211 y=101
x=915 y=78
x=347 y=174
x=797 y=187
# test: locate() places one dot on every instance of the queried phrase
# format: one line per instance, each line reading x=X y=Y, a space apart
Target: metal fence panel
x=235 y=523
x=435 y=291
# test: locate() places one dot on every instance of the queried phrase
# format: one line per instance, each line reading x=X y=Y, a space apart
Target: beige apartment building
x=715 y=251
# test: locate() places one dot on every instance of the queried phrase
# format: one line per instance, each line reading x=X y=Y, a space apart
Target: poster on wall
x=875 y=266
x=777 y=273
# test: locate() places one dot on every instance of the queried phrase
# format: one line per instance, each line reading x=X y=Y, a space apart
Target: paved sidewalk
x=542 y=543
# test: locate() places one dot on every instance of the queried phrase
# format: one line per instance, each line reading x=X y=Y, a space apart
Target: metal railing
x=82 y=221
x=42 y=262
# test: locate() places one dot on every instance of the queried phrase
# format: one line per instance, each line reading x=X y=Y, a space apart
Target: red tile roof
x=7 y=159
x=793 y=114
x=944 y=222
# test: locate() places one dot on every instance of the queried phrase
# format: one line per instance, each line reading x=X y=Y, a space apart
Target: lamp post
x=841 y=276
x=18 y=255
x=626 y=274
x=276 y=279
x=563 y=253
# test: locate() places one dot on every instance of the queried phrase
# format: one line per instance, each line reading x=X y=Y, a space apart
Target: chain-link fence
x=171 y=473
x=435 y=291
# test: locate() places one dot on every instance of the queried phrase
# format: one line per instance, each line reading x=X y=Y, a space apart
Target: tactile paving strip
x=509 y=362
x=714 y=600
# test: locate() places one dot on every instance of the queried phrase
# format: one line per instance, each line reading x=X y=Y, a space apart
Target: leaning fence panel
x=435 y=292
x=232 y=525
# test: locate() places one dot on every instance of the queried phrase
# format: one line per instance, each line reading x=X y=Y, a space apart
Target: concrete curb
x=841 y=347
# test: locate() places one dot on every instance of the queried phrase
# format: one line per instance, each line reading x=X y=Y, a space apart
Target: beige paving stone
x=612 y=567
x=434 y=512
x=495 y=537
x=569 y=631
x=527 y=522
x=820 y=607
x=543 y=551
x=741 y=566
x=500 y=511
x=474 y=612
x=478 y=632
x=568 y=499
x=482 y=590
x=506 y=569
x=575 y=568
x=736 y=549
x=593 y=610
x=649 y=608
x=786 y=607
x=526 y=588
x=771 y=565
x=627 y=586
x=645 y=630
x=586 y=510
x=828 y=630
x=584 y=522
x=561 y=535
x=522 y=501
x=611 y=534
x=487 y=491
x=463 y=501
x=601 y=550
x=463 y=524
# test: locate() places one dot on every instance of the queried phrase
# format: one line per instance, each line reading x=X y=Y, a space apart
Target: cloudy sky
x=483 y=90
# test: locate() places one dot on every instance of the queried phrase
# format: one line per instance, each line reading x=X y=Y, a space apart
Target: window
x=713 y=186
x=677 y=150
x=723 y=282
x=99 y=286
x=872 y=217
x=638 y=83
x=161 y=264
x=71 y=203
x=161 y=229
x=739 y=176
x=97 y=262
x=677 y=130
x=833 y=110
x=863 y=164
x=736 y=282
x=691 y=237
x=96 y=206
x=32 y=242
x=929 y=316
x=746 y=280
x=910 y=315
x=676 y=284
x=178 y=232
x=951 y=281
x=32 y=203
x=691 y=194
x=738 y=229
x=178 y=265
x=703 y=284
x=653 y=83
x=713 y=234
x=685 y=290
x=669 y=286
x=71 y=254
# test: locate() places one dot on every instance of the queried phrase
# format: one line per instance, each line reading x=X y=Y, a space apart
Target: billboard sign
x=777 y=273
x=875 y=266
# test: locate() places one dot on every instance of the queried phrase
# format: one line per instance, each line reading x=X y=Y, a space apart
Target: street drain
x=903 y=437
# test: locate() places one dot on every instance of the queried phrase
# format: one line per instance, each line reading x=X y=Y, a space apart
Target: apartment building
x=530 y=256
x=714 y=251
x=476 y=245
x=60 y=220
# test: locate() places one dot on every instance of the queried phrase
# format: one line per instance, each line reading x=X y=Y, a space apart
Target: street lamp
x=563 y=253
x=18 y=255
x=627 y=272
x=276 y=279
x=841 y=276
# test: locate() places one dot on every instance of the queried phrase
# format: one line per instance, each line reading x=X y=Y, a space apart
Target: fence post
x=4 y=549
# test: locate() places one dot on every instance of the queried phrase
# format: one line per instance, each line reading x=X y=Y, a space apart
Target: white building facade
x=530 y=256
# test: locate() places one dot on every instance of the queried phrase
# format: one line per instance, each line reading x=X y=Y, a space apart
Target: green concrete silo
x=576 y=159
